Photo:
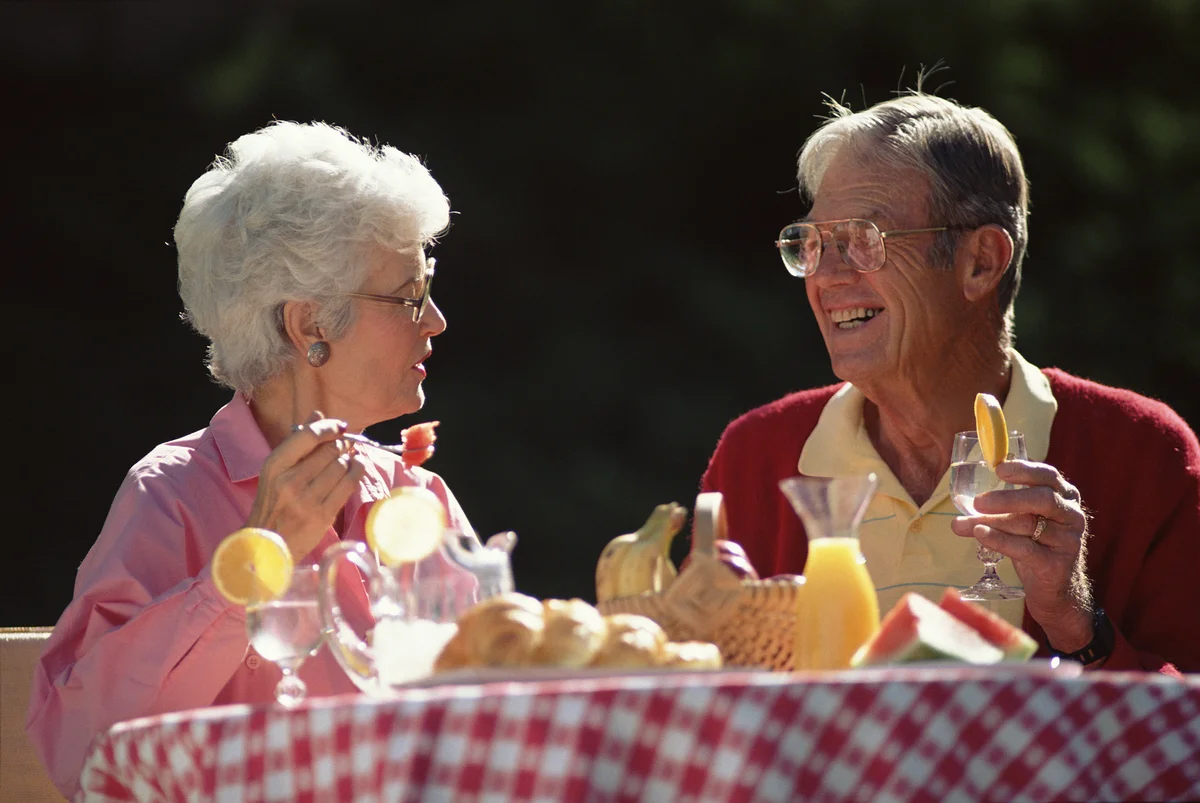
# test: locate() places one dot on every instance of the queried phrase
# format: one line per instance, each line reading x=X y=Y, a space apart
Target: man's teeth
x=853 y=318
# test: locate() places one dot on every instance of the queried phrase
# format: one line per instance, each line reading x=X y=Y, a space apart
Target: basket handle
x=709 y=523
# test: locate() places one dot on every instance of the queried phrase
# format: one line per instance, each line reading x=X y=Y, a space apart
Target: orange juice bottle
x=837 y=608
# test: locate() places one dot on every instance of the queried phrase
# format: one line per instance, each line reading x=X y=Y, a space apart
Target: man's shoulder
x=798 y=410
x=1083 y=403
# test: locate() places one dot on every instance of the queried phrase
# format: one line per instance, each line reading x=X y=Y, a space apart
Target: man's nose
x=831 y=268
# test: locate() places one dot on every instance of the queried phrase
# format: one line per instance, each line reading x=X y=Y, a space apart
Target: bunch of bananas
x=638 y=562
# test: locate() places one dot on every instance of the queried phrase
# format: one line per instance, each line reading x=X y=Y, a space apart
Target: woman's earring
x=318 y=354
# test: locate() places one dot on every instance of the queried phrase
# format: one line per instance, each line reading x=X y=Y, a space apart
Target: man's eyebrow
x=874 y=216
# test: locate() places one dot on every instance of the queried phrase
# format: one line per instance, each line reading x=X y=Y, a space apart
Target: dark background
x=619 y=170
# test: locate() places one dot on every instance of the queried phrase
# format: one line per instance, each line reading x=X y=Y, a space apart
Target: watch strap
x=1100 y=647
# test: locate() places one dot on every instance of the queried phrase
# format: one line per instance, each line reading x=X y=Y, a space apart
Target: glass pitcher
x=837 y=609
x=408 y=611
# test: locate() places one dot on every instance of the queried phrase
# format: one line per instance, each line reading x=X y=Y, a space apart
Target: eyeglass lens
x=425 y=290
x=858 y=242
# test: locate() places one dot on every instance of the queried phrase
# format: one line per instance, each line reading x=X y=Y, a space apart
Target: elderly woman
x=302 y=258
x=911 y=255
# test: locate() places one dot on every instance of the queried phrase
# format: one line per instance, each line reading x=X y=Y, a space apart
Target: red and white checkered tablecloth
x=870 y=735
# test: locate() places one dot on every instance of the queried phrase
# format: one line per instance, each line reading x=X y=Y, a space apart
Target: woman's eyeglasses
x=418 y=304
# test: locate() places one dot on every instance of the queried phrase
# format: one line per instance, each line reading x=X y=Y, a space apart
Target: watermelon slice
x=916 y=629
x=1014 y=642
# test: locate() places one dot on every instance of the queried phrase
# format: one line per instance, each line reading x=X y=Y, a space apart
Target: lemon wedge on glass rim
x=407 y=526
x=991 y=428
x=252 y=565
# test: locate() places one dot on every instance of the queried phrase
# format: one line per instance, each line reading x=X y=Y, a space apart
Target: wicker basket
x=753 y=622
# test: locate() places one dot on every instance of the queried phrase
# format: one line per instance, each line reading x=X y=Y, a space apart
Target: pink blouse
x=147 y=632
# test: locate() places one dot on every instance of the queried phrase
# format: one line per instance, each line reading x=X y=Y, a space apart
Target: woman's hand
x=305 y=482
x=1049 y=558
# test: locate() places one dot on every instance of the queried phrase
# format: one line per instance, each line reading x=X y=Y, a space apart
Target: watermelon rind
x=935 y=635
x=1015 y=643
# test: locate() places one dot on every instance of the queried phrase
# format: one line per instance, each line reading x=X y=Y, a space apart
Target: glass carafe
x=413 y=607
x=837 y=608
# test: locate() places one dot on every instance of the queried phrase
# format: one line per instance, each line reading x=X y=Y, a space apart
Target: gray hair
x=288 y=214
x=975 y=172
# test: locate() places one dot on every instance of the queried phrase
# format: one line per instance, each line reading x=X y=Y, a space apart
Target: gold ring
x=1037 y=531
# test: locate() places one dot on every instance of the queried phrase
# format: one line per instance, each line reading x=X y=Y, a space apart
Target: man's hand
x=1052 y=566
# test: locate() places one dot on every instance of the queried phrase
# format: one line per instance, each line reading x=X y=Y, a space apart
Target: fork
x=395 y=448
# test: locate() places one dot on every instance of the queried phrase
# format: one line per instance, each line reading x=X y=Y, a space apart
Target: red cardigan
x=1135 y=462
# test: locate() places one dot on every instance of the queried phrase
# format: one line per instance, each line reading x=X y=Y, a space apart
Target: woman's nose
x=432 y=322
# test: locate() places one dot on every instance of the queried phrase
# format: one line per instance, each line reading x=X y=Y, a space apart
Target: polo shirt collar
x=840 y=447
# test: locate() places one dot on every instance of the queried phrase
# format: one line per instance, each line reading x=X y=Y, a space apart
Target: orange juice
x=837 y=610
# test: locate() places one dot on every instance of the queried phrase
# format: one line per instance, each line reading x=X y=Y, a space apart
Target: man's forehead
x=854 y=187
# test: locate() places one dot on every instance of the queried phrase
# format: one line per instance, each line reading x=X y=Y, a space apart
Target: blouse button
x=916 y=525
x=252 y=661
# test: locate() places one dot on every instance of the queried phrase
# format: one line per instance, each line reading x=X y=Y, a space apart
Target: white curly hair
x=288 y=214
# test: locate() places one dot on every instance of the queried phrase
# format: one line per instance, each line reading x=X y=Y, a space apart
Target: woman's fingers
x=326 y=485
x=301 y=443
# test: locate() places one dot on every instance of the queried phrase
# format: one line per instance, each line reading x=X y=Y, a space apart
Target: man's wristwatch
x=1101 y=645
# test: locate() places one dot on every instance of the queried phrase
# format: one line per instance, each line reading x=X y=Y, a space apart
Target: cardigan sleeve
x=1160 y=617
x=1136 y=464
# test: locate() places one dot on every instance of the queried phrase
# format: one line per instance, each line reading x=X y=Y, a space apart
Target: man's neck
x=912 y=421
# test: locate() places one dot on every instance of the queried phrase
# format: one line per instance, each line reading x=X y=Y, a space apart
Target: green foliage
x=619 y=171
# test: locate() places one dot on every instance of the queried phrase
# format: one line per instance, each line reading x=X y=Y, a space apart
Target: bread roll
x=502 y=631
x=457 y=654
x=692 y=655
x=574 y=631
x=632 y=642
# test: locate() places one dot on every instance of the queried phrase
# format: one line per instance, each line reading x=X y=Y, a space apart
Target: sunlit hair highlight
x=289 y=213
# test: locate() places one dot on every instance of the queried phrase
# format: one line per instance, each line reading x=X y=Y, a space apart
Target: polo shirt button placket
x=916 y=524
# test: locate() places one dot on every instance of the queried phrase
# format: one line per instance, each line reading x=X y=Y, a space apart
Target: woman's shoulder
x=176 y=460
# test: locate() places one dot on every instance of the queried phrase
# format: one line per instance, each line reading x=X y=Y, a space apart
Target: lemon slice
x=407 y=526
x=252 y=565
x=991 y=428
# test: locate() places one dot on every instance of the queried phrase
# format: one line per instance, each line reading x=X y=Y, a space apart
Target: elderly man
x=925 y=204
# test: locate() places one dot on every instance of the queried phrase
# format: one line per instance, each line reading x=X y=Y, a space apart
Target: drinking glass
x=287 y=630
x=971 y=475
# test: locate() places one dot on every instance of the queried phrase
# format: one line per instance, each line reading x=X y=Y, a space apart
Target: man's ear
x=299 y=324
x=981 y=260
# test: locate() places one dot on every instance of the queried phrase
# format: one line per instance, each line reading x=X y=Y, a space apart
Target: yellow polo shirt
x=910 y=547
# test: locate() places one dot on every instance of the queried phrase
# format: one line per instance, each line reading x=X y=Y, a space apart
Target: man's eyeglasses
x=418 y=304
x=860 y=244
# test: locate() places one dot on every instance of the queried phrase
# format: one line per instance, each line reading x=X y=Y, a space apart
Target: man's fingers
x=1019 y=548
x=1040 y=501
x=1025 y=472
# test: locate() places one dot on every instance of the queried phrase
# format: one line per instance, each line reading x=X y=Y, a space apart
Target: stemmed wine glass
x=287 y=630
x=970 y=476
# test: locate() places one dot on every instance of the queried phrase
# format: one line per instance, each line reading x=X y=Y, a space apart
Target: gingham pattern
x=877 y=735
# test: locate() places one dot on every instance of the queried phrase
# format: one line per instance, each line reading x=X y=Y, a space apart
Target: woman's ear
x=982 y=258
x=299 y=324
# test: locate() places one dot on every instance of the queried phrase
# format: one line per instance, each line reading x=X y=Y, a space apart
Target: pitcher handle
x=354 y=655
x=709 y=523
